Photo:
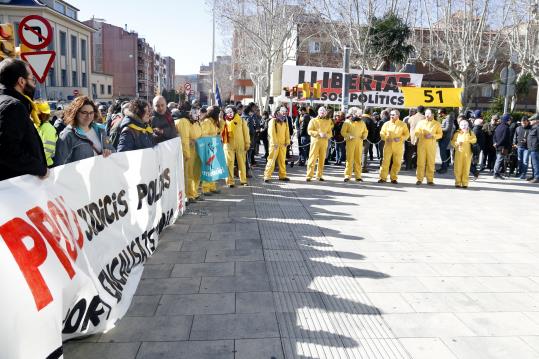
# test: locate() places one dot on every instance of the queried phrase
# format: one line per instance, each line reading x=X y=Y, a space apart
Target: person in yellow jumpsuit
x=211 y=127
x=462 y=142
x=394 y=132
x=427 y=133
x=236 y=142
x=279 y=140
x=46 y=131
x=195 y=166
x=354 y=132
x=183 y=126
x=320 y=130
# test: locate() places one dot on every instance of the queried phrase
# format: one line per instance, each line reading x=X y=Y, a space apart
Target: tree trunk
x=536 y=78
x=460 y=82
x=267 y=87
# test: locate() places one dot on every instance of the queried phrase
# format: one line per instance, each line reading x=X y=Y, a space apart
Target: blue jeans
x=498 y=165
x=304 y=149
x=523 y=160
x=535 y=163
x=341 y=153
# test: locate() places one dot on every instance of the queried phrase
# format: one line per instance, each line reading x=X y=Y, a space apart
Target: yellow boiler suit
x=463 y=156
x=394 y=134
x=426 y=148
x=209 y=129
x=195 y=166
x=319 y=144
x=354 y=132
x=183 y=125
x=279 y=140
x=238 y=143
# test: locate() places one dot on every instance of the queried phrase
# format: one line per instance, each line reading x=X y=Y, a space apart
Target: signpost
x=507 y=88
x=35 y=32
x=76 y=93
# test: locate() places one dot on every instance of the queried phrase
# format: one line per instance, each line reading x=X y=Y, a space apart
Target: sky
x=181 y=29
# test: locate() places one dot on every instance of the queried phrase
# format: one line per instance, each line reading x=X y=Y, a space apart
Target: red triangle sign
x=40 y=63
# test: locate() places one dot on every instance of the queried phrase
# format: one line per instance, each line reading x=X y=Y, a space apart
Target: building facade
x=70 y=73
x=101 y=87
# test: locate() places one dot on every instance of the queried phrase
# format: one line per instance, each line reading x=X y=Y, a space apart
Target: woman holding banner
x=211 y=127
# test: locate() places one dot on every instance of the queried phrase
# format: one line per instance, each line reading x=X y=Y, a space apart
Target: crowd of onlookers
x=499 y=145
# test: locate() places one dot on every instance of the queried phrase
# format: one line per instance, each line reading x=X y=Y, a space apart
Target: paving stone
x=425 y=348
x=490 y=348
x=178 y=257
x=230 y=255
x=259 y=348
x=247 y=244
x=157 y=270
x=169 y=246
x=195 y=236
x=234 y=235
x=256 y=268
x=203 y=270
x=234 y=326
x=238 y=283
x=75 y=349
x=143 y=305
x=158 y=286
x=255 y=302
x=213 y=228
x=196 y=304
x=423 y=325
x=193 y=246
x=159 y=328
x=187 y=349
x=499 y=324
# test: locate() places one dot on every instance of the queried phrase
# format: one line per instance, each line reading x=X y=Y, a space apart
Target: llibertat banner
x=373 y=88
x=73 y=246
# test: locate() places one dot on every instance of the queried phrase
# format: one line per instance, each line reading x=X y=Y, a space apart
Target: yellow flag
x=432 y=96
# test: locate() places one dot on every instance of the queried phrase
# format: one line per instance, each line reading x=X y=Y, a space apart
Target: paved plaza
x=335 y=270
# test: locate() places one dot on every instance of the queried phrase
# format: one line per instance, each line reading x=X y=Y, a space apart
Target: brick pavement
x=334 y=270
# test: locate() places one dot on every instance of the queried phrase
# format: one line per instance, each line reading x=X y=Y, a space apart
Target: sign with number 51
x=432 y=96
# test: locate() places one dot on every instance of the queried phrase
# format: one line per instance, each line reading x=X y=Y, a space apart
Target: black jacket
x=521 y=136
x=165 y=123
x=502 y=137
x=304 y=123
x=533 y=138
x=21 y=149
x=371 y=127
x=132 y=138
x=480 y=135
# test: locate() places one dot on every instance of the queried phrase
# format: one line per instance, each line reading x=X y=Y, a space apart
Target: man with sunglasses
x=21 y=149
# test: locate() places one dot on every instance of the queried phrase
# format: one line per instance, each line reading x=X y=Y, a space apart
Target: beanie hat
x=506 y=117
x=477 y=114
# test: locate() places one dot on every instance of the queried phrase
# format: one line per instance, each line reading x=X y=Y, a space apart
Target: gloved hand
x=322 y=134
x=351 y=137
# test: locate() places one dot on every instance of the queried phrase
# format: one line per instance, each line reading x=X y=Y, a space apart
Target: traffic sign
x=35 y=32
x=76 y=92
x=432 y=96
x=40 y=63
x=508 y=75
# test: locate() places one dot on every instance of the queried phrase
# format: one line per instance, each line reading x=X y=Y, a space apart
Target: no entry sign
x=35 y=32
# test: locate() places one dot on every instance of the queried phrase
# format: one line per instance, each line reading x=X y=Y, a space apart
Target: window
x=314 y=47
x=52 y=77
x=84 y=80
x=242 y=90
x=71 y=13
x=73 y=46
x=64 y=78
x=486 y=91
x=74 y=79
x=83 y=50
x=59 y=7
x=94 y=90
x=102 y=89
x=51 y=45
x=335 y=49
x=63 y=45
x=109 y=89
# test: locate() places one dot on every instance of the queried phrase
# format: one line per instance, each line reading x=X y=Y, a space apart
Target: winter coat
x=337 y=131
x=72 y=145
x=165 y=123
x=303 y=125
x=447 y=129
x=502 y=137
x=521 y=136
x=135 y=134
x=480 y=135
x=371 y=127
x=21 y=149
x=533 y=138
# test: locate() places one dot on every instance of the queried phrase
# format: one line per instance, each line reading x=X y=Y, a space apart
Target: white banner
x=373 y=88
x=73 y=246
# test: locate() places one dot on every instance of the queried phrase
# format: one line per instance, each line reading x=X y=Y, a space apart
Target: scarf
x=33 y=114
x=148 y=129
x=228 y=130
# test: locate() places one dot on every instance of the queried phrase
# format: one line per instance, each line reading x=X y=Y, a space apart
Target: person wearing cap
x=520 y=142
x=533 y=147
x=279 y=140
x=236 y=142
x=354 y=131
x=427 y=133
x=393 y=133
x=46 y=131
x=320 y=130
x=502 y=142
x=462 y=142
x=212 y=126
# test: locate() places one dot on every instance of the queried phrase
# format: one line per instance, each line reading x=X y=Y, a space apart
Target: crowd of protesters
x=31 y=142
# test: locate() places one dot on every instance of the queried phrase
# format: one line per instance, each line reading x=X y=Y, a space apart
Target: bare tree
x=524 y=39
x=462 y=38
x=264 y=31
